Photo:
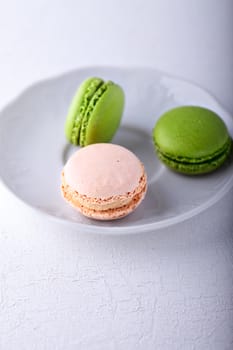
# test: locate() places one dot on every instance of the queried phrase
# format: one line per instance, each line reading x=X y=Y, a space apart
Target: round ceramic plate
x=33 y=149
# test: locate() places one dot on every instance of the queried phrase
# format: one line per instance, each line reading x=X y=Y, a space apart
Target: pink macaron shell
x=103 y=170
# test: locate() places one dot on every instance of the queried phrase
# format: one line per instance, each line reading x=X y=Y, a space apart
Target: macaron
x=95 y=112
x=191 y=140
x=104 y=181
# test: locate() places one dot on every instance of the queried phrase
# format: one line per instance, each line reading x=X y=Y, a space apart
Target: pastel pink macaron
x=104 y=181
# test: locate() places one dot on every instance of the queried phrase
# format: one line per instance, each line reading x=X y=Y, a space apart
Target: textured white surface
x=63 y=290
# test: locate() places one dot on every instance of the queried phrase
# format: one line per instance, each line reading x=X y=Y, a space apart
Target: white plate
x=33 y=149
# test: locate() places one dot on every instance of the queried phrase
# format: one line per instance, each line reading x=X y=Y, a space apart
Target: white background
x=168 y=290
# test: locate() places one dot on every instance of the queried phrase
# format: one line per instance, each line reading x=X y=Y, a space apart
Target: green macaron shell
x=95 y=112
x=78 y=108
x=103 y=115
x=191 y=139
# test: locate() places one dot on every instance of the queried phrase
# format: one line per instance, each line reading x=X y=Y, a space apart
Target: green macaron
x=191 y=140
x=95 y=112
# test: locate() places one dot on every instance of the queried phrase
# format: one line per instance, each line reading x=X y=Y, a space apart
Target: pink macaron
x=104 y=181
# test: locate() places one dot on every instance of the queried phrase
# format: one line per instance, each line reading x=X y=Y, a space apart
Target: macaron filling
x=198 y=165
x=88 y=109
x=105 y=209
x=94 y=85
x=104 y=204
